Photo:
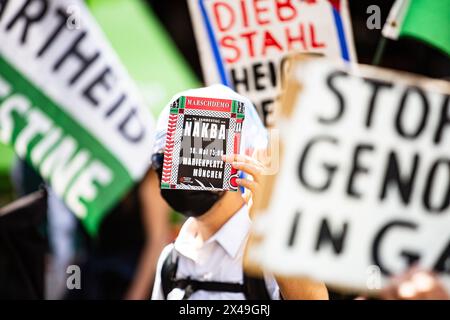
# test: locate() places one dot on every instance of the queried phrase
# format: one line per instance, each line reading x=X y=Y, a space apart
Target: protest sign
x=68 y=107
x=200 y=131
x=363 y=190
x=244 y=44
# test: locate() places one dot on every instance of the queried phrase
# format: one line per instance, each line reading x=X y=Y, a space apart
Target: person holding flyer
x=206 y=259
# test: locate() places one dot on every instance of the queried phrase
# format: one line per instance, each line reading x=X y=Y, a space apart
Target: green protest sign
x=68 y=107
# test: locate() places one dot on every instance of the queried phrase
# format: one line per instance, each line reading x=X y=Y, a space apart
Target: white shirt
x=219 y=258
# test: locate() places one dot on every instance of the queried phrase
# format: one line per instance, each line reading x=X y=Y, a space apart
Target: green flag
x=428 y=20
x=6 y=158
x=145 y=49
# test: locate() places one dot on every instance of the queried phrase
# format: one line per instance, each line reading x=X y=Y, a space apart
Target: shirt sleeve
x=157 y=293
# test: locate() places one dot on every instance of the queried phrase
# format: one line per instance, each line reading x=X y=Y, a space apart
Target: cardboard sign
x=363 y=190
x=200 y=131
x=245 y=44
x=69 y=107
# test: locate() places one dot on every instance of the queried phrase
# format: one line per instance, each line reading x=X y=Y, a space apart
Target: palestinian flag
x=427 y=20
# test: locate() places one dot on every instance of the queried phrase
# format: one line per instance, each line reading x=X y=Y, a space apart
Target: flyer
x=200 y=131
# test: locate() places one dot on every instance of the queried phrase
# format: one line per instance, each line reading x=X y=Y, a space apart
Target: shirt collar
x=230 y=236
x=233 y=232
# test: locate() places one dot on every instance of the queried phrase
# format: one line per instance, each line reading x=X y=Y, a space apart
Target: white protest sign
x=244 y=44
x=363 y=190
x=69 y=107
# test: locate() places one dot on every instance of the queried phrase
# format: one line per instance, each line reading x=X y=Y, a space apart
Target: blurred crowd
x=121 y=262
